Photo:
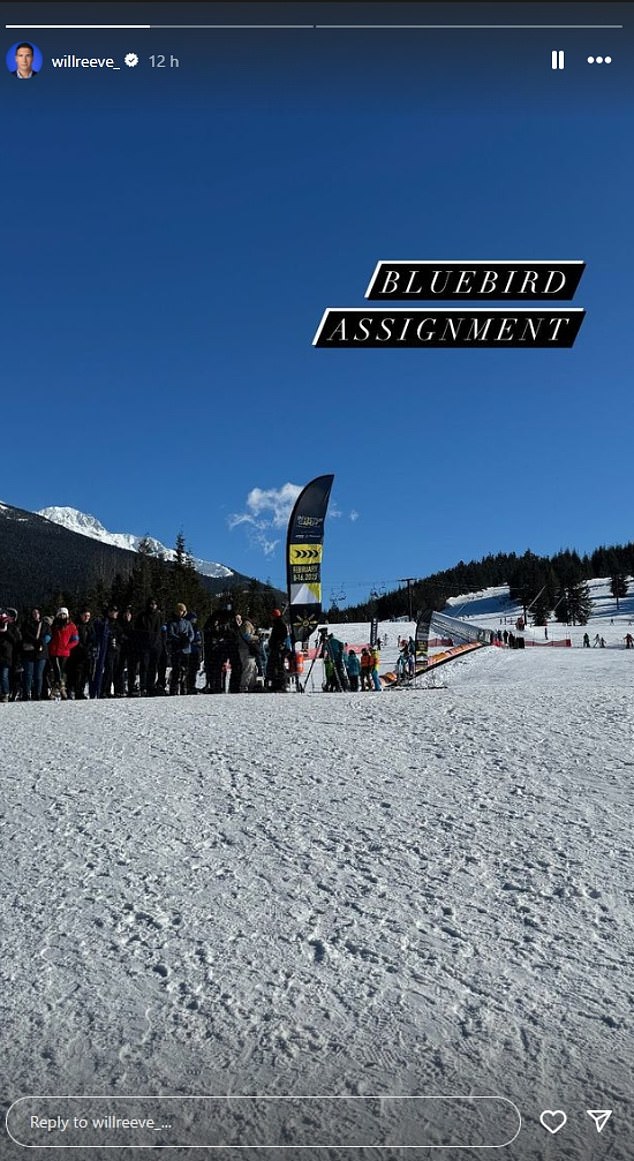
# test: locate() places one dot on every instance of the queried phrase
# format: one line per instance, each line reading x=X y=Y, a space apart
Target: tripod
x=324 y=650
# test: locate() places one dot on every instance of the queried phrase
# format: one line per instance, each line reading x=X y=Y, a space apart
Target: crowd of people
x=126 y=654
x=345 y=669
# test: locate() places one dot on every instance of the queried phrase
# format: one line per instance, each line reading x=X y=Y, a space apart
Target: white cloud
x=266 y=509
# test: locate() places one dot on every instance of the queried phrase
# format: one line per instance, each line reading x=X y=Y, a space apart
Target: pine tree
x=119 y=593
x=619 y=585
x=97 y=598
x=180 y=550
x=543 y=604
x=568 y=566
x=541 y=607
x=142 y=579
x=145 y=546
x=574 y=604
x=184 y=582
x=528 y=582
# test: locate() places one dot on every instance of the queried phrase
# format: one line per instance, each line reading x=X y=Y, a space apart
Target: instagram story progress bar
x=247 y=25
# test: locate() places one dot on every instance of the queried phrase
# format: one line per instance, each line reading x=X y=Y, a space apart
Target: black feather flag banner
x=304 y=551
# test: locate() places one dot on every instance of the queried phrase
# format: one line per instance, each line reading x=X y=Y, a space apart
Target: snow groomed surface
x=351 y=894
x=339 y=895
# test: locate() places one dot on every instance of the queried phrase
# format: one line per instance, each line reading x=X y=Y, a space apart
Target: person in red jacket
x=64 y=637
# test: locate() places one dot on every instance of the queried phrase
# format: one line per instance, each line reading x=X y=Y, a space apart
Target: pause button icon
x=557 y=59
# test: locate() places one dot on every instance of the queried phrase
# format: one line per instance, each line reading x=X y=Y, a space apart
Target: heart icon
x=553 y=1119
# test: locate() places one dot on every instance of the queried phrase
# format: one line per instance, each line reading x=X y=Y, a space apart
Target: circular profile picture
x=24 y=60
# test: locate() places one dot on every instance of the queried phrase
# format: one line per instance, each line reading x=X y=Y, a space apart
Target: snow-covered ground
x=493 y=609
x=415 y=892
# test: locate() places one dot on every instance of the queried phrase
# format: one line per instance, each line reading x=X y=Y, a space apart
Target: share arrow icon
x=600 y=1117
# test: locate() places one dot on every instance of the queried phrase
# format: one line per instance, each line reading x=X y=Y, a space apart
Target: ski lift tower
x=409 y=581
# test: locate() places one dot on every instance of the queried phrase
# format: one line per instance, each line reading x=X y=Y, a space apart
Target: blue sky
x=174 y=237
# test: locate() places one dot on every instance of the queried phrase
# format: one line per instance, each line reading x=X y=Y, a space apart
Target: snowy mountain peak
x=87 y=525
x=77 y=521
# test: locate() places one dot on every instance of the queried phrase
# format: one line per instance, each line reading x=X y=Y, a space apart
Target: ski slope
x=424 y=892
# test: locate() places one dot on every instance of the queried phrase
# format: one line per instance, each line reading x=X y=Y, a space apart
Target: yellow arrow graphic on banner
x=302 y=553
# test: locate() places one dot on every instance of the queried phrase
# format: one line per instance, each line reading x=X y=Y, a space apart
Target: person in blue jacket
x=180 y=636
x=353 y=669
x=196 y=654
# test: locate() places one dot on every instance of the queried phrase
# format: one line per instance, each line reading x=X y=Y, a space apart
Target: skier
x=402 y=664
x=411 y=658
x=586 y=641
